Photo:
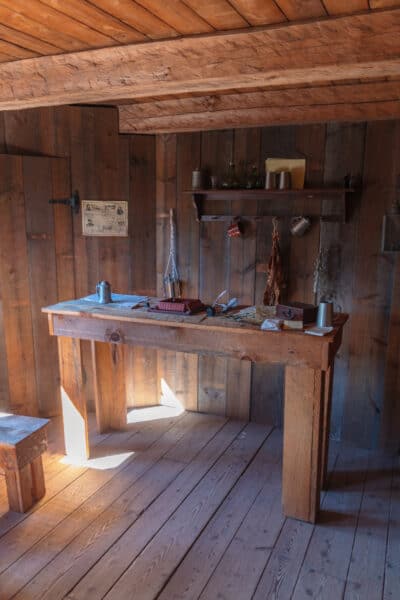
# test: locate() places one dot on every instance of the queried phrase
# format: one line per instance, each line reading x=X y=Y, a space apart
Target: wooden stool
x=22 y=443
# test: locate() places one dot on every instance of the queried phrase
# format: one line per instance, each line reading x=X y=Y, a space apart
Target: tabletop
x=15 y=428
x=198 y=333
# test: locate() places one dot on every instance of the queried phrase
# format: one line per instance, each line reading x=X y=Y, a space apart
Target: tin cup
x=285 y=180
x=197 y=179
x=271 y=180
x=103 y=290
x=325 y=314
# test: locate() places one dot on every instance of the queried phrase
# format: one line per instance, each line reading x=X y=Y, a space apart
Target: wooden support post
x=72 y=399
x=304 y=392
x=326 y=420
x=109 y=385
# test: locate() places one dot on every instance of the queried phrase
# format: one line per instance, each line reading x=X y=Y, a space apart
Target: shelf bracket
x=198 y=204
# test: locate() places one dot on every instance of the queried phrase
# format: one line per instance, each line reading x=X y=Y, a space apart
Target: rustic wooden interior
x=122 y=100
x=52 y=261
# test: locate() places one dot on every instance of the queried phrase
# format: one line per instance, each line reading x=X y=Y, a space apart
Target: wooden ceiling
x=30 y=28
x=181 y=65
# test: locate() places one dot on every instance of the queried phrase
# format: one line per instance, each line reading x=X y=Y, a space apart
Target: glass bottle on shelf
x=254 y=179
x=251 y=178
x=230 y=180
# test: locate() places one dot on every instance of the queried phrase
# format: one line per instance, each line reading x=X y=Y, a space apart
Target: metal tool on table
x=212 y=309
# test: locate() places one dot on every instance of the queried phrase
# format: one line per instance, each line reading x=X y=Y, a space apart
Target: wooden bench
x=22 y=443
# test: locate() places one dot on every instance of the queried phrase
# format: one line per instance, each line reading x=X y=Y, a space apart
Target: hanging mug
x=299 y=225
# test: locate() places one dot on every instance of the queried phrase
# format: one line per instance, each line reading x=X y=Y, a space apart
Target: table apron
x=255 y=346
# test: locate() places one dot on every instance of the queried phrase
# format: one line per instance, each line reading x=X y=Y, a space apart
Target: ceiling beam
x=359 y=46
x=305 y=96
x=259 y=117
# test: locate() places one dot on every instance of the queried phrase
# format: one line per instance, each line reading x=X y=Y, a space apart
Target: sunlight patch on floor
x=74 y=429
x=152 y=413
x=101 y=463
x=169 y=407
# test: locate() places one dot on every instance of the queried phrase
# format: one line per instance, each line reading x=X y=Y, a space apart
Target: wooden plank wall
x=363 y=281
x=153 y=173
x=54 y=261
x=30 y=278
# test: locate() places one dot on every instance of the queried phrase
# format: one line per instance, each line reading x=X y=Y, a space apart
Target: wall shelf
x=317 y=194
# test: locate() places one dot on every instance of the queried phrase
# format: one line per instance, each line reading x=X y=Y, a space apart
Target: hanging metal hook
x=73 y=201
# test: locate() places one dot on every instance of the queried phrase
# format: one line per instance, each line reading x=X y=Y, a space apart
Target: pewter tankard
x=103 y=290
x=325 y=314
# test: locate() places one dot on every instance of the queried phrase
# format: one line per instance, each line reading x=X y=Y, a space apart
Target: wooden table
x=308 y=364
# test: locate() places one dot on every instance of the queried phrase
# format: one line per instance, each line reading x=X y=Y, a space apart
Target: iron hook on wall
x=73 y=201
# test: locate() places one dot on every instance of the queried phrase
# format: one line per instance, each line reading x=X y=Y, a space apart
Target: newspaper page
x=105 y=218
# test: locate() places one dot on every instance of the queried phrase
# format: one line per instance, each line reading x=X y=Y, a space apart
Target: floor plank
x=284 y=563
x=118 y=492
x=365 y=578
x=189 y=508
x=188 y=580
x=240 y=568
x=173 y=541
x=392 y=567
x=280 y=575
x=101 y=577
x=325 y=566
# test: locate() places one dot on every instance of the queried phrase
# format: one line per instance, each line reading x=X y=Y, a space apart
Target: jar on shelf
x=197 y=179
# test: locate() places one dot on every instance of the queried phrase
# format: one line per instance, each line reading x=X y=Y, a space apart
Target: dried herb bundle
x=274 y=285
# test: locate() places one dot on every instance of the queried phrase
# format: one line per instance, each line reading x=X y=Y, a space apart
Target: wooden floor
x=190 y=507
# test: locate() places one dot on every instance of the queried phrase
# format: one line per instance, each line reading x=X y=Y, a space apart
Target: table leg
x=19 y=488
x=38 y=482
x=304 y=392
x=109 y=385
x=328 y=385
x=73 y=399
x=25 y=485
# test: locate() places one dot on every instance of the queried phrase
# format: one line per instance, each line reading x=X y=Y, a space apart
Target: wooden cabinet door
x=36 y=269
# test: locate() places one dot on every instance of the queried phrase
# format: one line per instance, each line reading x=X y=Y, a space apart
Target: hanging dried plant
x=274 y=285
x=321 y=276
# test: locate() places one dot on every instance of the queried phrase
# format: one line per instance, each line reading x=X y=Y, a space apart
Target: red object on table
x=186 y=306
